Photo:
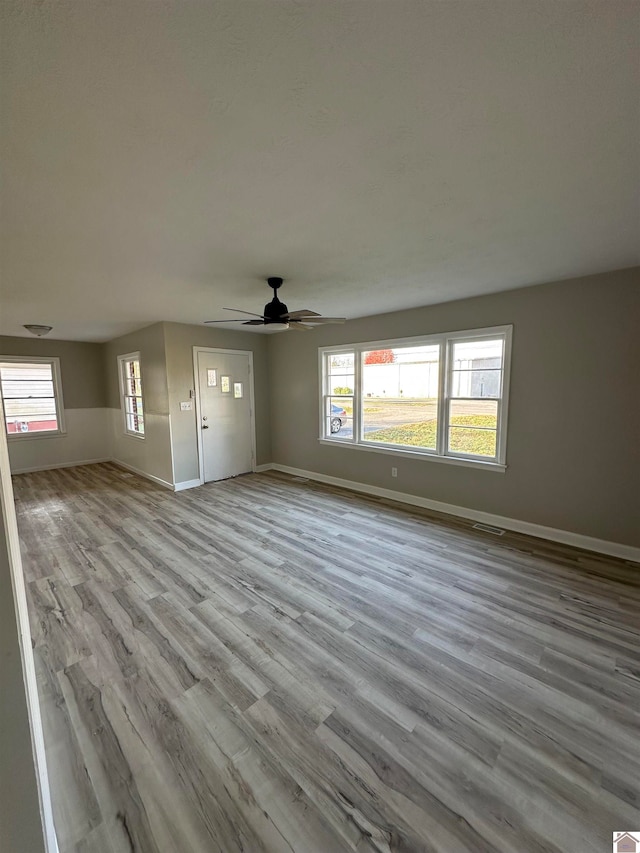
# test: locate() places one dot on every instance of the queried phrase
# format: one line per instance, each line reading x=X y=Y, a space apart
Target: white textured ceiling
x=161 y=158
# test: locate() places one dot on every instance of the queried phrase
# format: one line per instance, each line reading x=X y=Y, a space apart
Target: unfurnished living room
x=320 y=461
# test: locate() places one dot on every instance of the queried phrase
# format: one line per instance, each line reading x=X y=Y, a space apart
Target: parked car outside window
x=338 y=417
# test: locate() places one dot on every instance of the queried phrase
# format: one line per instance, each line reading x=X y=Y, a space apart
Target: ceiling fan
x=277 y=313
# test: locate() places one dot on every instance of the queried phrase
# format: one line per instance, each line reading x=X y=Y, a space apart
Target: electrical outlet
x=394 y=472
x=186 y=406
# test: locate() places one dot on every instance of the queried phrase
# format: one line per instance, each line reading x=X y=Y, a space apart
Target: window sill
x=134 y=435
x=30 y=436
x=496 y=467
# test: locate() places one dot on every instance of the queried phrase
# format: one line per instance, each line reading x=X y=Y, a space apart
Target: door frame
x=252 y=407
x=23 y=640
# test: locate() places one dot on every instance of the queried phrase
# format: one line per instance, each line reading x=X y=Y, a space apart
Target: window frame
x=122 y=360
x=446 y=341
x=56 y=377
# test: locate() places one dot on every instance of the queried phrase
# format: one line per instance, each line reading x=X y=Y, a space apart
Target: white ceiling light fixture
x=38 y=331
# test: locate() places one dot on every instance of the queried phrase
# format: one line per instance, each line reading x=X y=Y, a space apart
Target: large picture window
x=443 y=396
x=31 y=396
x=131 y=393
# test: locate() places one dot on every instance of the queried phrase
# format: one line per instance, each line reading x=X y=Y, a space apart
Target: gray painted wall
x=572 y=450
x=20 y=825
x=180 y=340
x=149 y=342
x=83 y=385
x=84 y=398
x=152 y=454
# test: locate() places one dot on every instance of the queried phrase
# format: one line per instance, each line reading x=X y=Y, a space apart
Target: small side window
x=131 y=394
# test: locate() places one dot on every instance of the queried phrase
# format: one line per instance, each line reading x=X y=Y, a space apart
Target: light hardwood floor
x=266 y=664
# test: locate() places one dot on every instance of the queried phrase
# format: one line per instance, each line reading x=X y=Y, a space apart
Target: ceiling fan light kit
x=276 y=313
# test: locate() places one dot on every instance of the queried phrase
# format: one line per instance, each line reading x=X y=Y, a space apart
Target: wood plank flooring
x=267 y=664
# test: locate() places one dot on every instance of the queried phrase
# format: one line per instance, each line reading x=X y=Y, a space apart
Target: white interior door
x=225 y=421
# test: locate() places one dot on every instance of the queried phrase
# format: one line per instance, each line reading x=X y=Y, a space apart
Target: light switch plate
x=186 y=407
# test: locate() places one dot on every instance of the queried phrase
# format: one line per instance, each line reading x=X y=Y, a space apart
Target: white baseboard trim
x=144 y=474
x=186 y=484
x=566 y=537
x=60 y=465
x=259 y=469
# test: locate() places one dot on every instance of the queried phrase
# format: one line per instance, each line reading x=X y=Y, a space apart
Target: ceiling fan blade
x=300 y=327
x=251 y=322
x=300 y=315
x=208 y=322
x=242 y=311
x=317 y=320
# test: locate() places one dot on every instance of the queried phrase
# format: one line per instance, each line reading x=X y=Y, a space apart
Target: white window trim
x=446 y=340
x=130 y=356
x=56 y=375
